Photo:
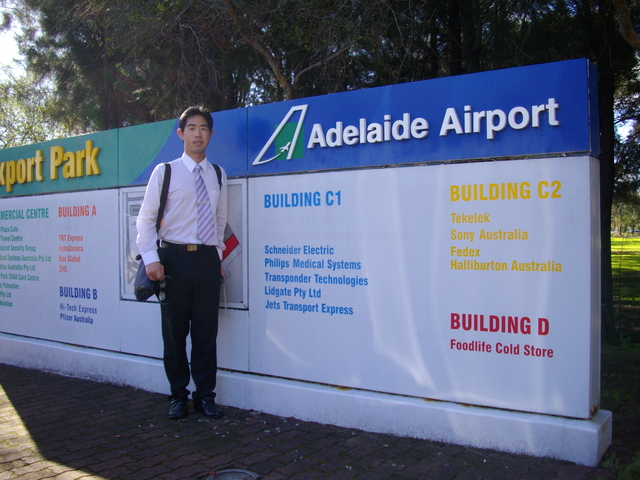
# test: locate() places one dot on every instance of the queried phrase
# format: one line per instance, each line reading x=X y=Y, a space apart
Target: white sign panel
x=467 y=283
x=58 y=277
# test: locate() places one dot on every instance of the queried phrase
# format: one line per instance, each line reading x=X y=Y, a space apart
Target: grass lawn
x=620 y=386
x=625 y=265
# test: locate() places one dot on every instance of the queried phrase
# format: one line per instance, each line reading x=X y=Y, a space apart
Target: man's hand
x=155 y=271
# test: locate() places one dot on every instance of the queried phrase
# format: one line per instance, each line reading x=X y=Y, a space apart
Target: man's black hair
x=192 y=111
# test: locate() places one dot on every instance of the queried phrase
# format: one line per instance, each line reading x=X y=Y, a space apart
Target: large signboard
x=467 y=283
x=436 y=239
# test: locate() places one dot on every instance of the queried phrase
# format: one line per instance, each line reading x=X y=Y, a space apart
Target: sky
x=8 y=51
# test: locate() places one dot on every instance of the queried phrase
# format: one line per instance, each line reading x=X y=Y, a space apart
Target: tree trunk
x=607 y=172
x=455 y=38
x=472 y=35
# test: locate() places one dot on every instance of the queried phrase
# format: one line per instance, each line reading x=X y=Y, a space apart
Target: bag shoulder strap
x=163 y=194
x=218 y=173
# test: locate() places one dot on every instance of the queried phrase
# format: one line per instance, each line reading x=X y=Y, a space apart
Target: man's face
x=196 y=136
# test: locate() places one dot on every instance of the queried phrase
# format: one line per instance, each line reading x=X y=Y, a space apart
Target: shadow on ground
x=65 y=428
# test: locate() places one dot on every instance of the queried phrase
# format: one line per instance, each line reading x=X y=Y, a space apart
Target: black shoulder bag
x=143 y=286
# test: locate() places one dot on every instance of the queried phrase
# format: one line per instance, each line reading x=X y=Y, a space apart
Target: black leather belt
x=180 y=247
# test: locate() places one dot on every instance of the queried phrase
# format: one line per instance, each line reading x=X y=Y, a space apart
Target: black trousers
x=192 y=297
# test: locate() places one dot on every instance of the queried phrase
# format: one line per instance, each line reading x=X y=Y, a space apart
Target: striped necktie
x=205 y=216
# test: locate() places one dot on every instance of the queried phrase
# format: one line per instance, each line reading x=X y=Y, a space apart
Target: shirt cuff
x=150 y=257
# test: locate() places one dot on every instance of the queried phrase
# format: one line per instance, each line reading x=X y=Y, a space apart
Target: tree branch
x=321 y=62
x=627 y=30
x=274 y=64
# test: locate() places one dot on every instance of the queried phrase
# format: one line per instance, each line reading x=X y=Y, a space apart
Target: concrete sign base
x=580 y=441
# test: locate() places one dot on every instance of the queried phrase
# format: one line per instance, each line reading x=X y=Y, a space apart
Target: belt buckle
x=192 y=248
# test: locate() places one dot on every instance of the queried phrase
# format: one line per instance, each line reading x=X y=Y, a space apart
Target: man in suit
x=184 y=255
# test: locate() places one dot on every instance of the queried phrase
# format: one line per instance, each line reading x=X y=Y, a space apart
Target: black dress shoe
x=208 y=406
x=178 y=408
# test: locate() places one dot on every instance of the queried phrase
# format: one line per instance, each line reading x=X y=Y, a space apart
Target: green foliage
x=25 y=113
x=625 y=216
x=611 y=462
x=628 y=345
x=121 y=62
x=631 y=471
x=617 y=397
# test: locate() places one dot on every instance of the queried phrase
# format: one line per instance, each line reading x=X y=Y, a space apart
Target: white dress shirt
x=179 y=224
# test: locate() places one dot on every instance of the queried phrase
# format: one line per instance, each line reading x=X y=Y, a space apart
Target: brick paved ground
x=66 y=429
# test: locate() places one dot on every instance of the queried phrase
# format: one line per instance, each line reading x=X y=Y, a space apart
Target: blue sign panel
x=227 y=147
x=537 y=110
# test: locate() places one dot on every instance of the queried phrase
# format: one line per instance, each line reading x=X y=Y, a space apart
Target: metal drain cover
x=233 y=474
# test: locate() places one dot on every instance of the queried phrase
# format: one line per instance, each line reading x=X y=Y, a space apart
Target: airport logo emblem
x=285 y=140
